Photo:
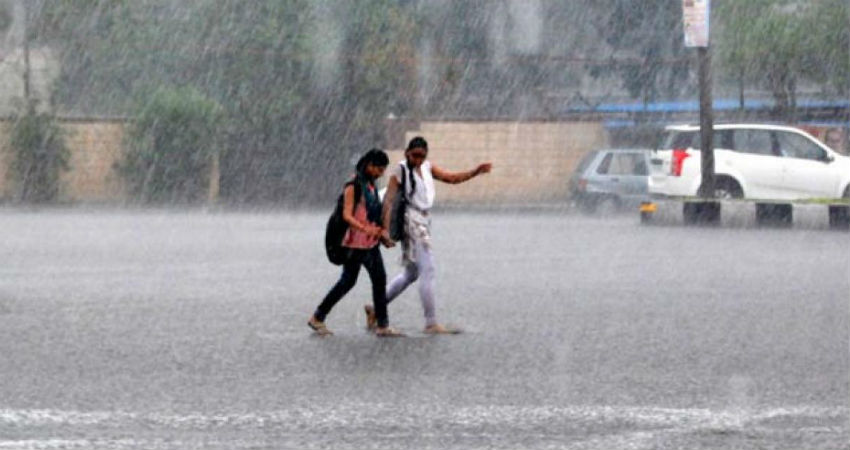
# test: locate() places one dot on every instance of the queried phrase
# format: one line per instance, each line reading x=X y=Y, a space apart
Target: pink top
x=356 y=238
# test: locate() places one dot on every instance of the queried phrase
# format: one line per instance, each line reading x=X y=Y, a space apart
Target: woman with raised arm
x=416 y=175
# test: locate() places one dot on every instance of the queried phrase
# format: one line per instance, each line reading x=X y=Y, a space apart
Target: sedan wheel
x=607 y=207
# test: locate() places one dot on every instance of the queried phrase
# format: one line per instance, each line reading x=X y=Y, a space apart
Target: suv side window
x=793 y=145
x=757 y=142
x=692 y=139
x=723 y=139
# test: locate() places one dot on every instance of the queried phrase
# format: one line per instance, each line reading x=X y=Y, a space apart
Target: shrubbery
x=39 y=157
x=170 y=146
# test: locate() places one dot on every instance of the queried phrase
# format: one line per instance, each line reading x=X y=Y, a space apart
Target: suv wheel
x=726 y=188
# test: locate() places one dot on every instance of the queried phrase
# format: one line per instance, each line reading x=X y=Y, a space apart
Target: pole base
x=701 y=213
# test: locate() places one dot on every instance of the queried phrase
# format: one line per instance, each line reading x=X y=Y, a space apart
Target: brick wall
x=94 y=148
x=532 y=161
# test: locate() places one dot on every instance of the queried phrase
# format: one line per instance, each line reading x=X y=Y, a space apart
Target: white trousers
x=422 y=268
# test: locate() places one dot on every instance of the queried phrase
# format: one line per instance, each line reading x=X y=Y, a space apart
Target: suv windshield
x=677 y=139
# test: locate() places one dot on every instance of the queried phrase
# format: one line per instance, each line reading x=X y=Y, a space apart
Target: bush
x=170 y=147
x=39 y=157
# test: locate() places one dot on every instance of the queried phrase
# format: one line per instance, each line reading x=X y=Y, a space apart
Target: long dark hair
x=376 y=157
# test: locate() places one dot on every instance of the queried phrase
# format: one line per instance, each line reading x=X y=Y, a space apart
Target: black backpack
x=337 y=226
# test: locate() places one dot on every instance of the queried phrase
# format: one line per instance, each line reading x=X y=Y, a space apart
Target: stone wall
x=532 y=161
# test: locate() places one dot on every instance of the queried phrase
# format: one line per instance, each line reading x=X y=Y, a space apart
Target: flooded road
x=163 y=330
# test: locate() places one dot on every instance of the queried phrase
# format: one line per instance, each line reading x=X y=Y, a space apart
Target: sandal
x=388 y=332
x=371 y=320
x=440 y=329
x=318 y=326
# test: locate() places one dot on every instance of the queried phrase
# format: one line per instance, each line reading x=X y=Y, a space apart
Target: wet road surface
x=163 y=330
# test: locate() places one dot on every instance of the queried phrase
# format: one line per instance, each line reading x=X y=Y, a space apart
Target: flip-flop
x=319 y=327
x=388 y=332
x=440 y=329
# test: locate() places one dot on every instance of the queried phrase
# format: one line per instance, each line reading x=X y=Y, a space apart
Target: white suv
x=750 y=161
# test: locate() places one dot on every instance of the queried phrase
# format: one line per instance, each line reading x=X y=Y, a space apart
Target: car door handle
x=615 y=179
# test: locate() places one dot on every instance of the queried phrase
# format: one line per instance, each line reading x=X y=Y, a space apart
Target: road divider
x=747 y=214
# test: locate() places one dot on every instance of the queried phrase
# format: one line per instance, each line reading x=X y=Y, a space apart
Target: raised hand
x=484 y=168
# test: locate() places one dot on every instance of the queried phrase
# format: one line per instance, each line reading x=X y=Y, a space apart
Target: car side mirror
x=829 y=159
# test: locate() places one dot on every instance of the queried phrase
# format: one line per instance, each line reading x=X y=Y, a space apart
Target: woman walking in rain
x=362 y=212
x=416 y=175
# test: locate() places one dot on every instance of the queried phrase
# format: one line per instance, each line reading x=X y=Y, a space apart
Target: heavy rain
x=168 y=169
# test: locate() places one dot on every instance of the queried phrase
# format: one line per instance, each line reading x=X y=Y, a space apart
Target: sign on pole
x=696 y=16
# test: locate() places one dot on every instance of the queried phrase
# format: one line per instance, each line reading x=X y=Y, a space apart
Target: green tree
x=779 y=44
x=647 y=39
x=828 y=49
x=258 y=61
x=39 y=157
x=456 y=57
x=170 y=146
x=379 y=67
x=5 y=16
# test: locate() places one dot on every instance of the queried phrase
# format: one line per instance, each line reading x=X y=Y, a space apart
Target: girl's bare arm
x=459 y=177
x=348 y=214
x=389 y=196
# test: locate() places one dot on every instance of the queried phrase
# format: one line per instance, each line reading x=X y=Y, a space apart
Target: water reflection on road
x=171 y=330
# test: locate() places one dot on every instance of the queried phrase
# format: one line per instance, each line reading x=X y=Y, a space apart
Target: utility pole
x=706 y=210
x=697 y=19
x=706 y=123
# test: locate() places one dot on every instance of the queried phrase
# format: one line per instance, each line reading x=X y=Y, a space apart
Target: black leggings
x=374 y=264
